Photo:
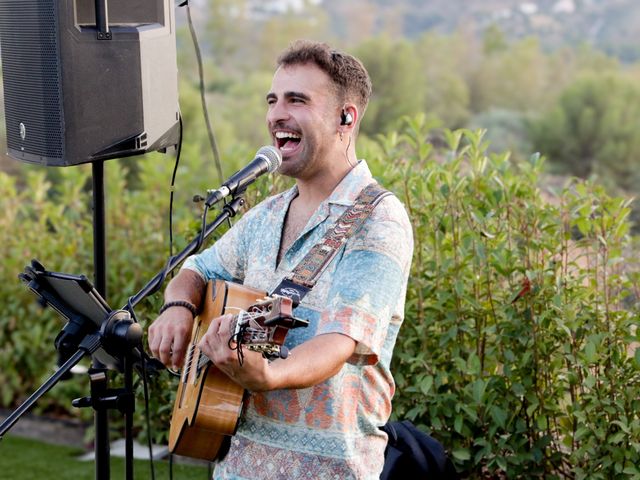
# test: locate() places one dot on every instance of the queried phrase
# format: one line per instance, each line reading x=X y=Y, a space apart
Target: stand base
x=140 y=452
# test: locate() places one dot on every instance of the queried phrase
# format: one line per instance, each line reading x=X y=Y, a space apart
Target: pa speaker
x=73 y=98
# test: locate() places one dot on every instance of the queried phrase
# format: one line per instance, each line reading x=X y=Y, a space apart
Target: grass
x=25 y=459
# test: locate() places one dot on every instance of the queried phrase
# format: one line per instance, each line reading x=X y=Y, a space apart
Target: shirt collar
x=351 y=185
x=346 y=191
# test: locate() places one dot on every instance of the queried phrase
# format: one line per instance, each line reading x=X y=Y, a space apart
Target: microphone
x=267 y=160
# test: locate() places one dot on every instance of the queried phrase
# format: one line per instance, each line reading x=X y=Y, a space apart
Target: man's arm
x=308 y=364
x=170 y=333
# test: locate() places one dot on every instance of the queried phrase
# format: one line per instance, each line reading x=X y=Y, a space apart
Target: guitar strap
x=303 y=278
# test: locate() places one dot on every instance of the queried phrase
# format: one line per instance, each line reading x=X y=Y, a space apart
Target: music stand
x=92 y=328
x=116 y=337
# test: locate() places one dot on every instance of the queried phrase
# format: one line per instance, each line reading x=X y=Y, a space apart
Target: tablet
x=74 y=298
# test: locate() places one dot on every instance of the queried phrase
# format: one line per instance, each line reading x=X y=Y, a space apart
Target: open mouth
x=287 y=141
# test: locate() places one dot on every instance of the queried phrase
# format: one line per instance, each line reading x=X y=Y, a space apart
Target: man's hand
x=254 y=372
x=170 y=333
x=308 y=364
x=169 y=336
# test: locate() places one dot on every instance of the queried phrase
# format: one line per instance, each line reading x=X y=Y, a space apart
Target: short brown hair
x=347 y=73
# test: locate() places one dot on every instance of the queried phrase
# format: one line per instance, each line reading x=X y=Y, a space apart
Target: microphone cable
x=172 y=188
x=205 y=110
x=145 y=387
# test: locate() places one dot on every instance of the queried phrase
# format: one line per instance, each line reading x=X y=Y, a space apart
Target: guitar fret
x=188 y=362
x=203 y=361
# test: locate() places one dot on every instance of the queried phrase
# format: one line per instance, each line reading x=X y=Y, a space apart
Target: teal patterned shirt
x=330 y=430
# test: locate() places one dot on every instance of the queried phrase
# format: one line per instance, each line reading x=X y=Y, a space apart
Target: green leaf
x=518 y=389
x=457 y=423
x=502 y=463
x=617 y=438
x=479 y=387
x=499 y=415
x=426 y=384
x=590 y=352
x=461 y=454
x=542 y=422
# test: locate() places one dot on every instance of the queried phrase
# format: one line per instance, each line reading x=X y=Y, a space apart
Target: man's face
x=302 y=118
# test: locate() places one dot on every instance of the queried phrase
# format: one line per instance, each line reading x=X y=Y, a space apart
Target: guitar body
x=208 y=403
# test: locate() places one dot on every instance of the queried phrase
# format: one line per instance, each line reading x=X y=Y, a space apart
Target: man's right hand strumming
x=170 y=333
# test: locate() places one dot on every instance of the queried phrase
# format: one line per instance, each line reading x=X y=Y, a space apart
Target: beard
x=306 y=162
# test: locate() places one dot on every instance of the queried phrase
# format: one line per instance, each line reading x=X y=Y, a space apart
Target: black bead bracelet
x=180 y=303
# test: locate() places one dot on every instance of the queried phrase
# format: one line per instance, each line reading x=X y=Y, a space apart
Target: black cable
x=172 y=188
x=212 y=140
x=148 y=420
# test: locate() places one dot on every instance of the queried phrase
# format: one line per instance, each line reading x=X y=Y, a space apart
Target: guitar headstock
x=276 y=310
x=263 y=327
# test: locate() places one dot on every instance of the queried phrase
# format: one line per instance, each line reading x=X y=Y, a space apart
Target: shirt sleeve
x=369 y=284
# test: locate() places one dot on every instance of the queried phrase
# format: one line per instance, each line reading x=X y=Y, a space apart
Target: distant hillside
x=609 y=25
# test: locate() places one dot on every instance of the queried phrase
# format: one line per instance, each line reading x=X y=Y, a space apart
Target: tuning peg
x=284 y=352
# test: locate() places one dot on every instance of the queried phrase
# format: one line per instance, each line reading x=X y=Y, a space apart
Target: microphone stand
x=119 y=335
x=228 y=211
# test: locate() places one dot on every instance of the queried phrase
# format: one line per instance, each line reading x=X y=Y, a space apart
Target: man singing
x=316 y=414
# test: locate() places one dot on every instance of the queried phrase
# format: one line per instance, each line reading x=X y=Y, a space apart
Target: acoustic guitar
x=208 y=403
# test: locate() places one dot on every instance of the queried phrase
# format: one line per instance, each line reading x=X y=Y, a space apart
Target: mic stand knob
x=232 y=208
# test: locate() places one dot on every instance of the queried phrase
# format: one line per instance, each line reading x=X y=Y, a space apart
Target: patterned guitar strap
x=305 y=275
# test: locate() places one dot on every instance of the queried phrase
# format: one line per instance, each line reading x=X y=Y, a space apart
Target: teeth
x=286 y=135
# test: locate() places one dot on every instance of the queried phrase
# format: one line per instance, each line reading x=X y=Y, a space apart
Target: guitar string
x=256 y=332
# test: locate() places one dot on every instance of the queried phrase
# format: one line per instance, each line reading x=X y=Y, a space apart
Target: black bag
x=413 y=454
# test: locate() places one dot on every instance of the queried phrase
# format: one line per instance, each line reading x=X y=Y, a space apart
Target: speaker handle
x=102 y=20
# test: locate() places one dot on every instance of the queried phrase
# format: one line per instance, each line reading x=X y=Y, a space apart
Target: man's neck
x=316 y=189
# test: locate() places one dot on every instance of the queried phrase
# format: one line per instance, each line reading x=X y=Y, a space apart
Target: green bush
x=540 y=383
x=517 y=348
x=52 y=221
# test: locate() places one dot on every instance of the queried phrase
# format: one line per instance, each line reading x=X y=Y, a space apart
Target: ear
x=348 y=117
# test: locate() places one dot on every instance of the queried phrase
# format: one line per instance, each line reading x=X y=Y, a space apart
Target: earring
x=341 y=134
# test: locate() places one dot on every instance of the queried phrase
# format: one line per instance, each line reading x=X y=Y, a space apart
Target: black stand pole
x=99 y=229
x=102 y=20
x=101 y=416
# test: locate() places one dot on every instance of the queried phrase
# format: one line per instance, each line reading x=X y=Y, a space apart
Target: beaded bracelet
x=180 y=303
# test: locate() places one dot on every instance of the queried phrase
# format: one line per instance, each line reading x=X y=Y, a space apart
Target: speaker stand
x=101 y=415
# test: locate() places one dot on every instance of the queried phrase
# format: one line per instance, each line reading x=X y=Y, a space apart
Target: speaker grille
x=31 y=72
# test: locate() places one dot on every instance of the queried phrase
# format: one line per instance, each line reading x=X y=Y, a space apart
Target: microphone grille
x=272 y=155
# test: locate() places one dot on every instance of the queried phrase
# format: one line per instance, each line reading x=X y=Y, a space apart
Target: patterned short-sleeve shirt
x=330 y=430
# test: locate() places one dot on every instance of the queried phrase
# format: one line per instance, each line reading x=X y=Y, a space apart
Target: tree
x=516 y=78
x=278 y=31
x=445 y=61
x=593 y=130
x=228 y=31
x=399 y=87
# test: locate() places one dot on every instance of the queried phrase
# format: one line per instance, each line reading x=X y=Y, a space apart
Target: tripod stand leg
x=44 y=388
